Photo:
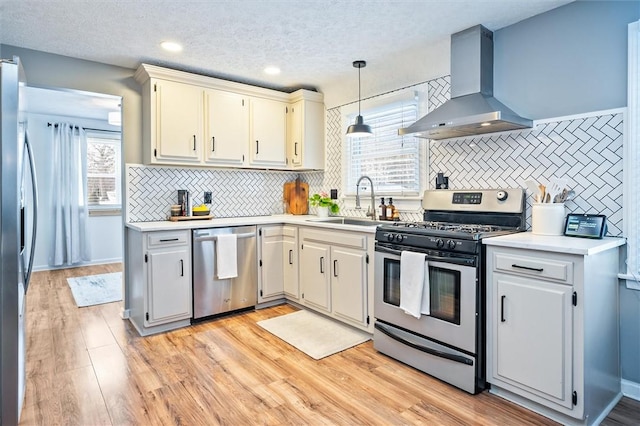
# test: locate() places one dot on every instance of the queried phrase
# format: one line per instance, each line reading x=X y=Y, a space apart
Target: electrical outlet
x=334 y=194
x=207 y=197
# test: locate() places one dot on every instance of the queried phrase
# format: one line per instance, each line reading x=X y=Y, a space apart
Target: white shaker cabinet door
x=169 y=293
x=178 y=122
x=348 y=283
x=533 y=343
x=226 y=128
x=315 y=275
x=268 y=133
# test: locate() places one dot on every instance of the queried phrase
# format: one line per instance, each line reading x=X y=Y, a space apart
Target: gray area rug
x=96 y=289
x=313 y=334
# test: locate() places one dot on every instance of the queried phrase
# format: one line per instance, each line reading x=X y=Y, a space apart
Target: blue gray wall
x=570 y=60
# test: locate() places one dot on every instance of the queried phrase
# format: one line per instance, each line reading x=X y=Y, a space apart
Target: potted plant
x=323 y=203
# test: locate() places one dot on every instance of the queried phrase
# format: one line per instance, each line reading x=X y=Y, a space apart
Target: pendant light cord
x=359 y=95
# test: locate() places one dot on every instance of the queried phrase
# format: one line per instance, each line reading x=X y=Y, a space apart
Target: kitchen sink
x=349 y=221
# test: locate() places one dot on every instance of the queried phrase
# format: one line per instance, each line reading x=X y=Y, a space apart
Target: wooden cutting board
x=296 y=195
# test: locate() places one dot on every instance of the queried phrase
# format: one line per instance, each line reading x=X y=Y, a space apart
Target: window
x=392 y=162
x=103 y=170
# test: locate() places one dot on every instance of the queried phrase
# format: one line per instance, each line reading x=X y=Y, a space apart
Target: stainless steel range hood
x=472 y=109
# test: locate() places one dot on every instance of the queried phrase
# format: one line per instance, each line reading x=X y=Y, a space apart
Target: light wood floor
x=86 y=366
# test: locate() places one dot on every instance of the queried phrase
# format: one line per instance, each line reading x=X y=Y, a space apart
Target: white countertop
x=289 y=219
x=559 y=244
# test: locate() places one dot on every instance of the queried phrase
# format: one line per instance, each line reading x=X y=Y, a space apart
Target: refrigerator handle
x=34 y=189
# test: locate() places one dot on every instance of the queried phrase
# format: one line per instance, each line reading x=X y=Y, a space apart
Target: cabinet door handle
x=502 y=308
x=528 y=268
x=290 y=257
x=295 y=148
x=257 y=147
x=322 y=265
x=213 y=144
x=181 y=268
x=335 y=268
x=194 y=142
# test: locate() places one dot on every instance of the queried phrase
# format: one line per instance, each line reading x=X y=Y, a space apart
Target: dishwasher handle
x=215 y=237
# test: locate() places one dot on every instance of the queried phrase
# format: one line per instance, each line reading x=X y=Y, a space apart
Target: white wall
x=105 y=232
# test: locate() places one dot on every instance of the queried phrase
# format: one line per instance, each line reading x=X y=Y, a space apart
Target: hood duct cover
x=472 y=109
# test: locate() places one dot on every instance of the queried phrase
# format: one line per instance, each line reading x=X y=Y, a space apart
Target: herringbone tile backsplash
x=587 y=151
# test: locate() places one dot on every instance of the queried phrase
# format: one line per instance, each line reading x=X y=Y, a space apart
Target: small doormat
x=313 y=334
x=96 y=289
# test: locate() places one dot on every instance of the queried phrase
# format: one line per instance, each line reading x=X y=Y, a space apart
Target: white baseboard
x=630 y=389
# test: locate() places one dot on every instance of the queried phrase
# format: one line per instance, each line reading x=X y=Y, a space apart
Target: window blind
x=390 y=160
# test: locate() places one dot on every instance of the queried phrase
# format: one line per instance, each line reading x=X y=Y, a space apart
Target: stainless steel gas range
x=446 y=336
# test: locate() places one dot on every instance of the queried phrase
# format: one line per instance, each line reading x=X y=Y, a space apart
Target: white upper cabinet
x=189 y=119
x=226 y=128
x=305 y=137
x=176 y=125
x=268 y=133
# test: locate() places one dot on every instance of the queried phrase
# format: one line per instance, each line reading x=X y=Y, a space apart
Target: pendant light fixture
x=359 y=128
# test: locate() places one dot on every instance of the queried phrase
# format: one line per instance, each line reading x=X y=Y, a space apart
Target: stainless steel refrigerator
x=18 y=219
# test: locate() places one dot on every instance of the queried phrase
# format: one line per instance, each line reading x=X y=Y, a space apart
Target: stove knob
x=502 y=195
x=399 y=238
x=390 y=237
x=439 y=243
x=451 y=244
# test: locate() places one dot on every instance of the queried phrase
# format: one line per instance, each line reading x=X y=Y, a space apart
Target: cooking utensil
x=556 y=185
x=543 y=190
x=533 y=188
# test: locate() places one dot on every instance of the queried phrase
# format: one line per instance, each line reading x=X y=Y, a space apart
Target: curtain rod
x=88 y=128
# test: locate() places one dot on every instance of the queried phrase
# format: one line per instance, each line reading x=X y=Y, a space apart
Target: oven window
x=391 y=287
x=445 y=294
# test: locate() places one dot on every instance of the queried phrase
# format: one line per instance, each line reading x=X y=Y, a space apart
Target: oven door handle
x=431 y=351
x=428 y=257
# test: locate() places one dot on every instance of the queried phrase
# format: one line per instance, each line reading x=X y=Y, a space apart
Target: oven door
x=453 y=293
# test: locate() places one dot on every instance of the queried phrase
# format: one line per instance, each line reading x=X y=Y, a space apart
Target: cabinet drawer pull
x=194 y=142
x=166 y=240
x=290 y=257
x=502 y=308
x=322 y=265
x=181 y=268
x=335 y=268
x=528 y=268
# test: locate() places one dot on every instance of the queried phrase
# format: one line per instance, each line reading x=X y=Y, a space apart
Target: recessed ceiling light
x=171 y=46
x=272 y=70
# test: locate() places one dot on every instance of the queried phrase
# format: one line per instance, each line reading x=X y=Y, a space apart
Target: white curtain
x=70 y=239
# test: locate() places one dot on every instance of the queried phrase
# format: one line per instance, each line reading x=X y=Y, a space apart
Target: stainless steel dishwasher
x=213 y=296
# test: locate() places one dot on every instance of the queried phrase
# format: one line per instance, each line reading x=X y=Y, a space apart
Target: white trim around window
x=404 y=200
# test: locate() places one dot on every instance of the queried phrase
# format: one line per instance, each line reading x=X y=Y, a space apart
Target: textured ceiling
x=314 y=42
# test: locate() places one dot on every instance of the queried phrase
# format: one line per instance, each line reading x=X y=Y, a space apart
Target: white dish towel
x=414 y=284
x=227 y=256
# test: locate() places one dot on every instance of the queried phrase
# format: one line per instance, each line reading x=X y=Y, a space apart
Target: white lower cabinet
x=278 y=263
x=290 y=253
x=160 y=280
x=552 y=339
x=334 y=274
x=540 y=339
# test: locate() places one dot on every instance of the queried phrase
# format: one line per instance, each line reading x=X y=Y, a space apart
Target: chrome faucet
x=371 y=211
